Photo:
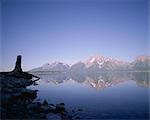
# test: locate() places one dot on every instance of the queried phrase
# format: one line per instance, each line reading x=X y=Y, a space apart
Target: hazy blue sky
x=44 y=31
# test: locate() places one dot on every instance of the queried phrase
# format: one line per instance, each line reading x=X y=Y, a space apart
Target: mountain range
x=98 y=63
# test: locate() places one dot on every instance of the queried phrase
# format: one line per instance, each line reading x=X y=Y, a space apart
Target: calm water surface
x=105 y=95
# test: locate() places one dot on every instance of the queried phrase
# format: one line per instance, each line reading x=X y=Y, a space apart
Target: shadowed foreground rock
x=18 y=102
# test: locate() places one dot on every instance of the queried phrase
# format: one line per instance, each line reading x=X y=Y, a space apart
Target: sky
x=43 y=31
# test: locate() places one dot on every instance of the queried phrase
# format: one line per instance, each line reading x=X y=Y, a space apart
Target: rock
x=51 y=104
x=10 y=86
x=7 y=90
x=5 y=99
x=35 y=84
x=80 y=110
x=45 y=109
x=10 y=90
x=62 y=104
x=38 y=99
x=38 y=104
x=17 y=94
x=24 y=90
x=31 y=106
x=77 y=118
x=2 y=110
x=42 y=115
x=25 y=94
x=60 y=108
x=52 y=116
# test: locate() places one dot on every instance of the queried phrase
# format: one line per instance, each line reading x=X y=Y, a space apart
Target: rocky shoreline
x=18 y=102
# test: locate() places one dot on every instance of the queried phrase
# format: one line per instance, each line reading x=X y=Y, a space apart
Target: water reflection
x=126 y=96
x=142 y=78
x=97 y=80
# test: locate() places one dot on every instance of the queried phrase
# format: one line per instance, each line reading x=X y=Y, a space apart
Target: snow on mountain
x=99 y=60
x=143 y=58
x=98 y=63
x=55 y=66
x=59 y=66
x=141 y=63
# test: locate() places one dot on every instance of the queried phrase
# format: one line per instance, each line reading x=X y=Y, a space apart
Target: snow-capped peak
x=95 y=60
x=55 y=66
x=92 y=60
x=46 y=64
x=96 y=63
x=142 y=58
x=99 y=61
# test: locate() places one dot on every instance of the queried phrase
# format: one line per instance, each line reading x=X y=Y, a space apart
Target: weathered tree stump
x=17 y=72
x=18 y=68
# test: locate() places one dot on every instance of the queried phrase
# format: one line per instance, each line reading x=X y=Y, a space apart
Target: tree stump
x=18 y=73
x=18 y=68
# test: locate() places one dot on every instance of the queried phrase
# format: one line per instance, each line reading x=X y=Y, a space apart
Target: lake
x=121 y=95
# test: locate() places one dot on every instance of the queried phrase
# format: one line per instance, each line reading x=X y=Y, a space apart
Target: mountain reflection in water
x=97 y=80
x=121 y=95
